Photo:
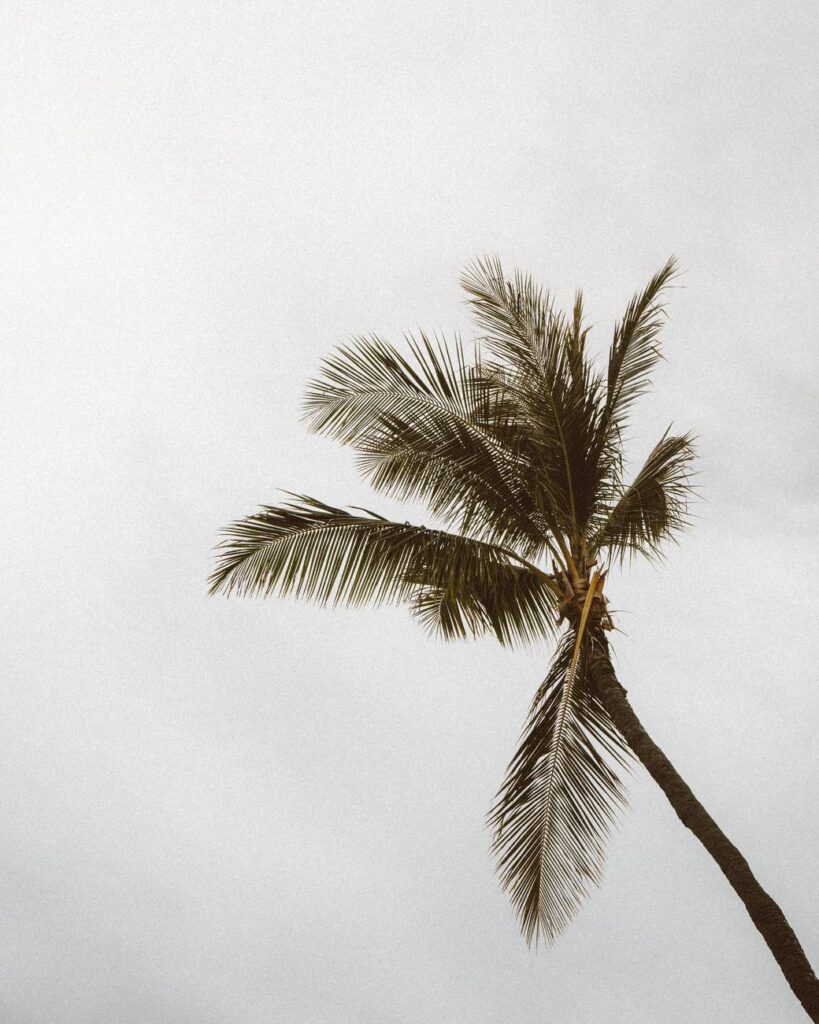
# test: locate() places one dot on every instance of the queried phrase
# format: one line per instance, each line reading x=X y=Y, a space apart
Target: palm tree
x=516 y=445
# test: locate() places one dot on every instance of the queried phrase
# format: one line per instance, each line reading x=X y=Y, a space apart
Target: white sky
x=249 y=812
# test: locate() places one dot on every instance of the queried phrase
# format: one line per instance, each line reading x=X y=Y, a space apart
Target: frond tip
x=635 y=348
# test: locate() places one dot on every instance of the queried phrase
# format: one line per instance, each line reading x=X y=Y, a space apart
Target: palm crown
x=515 y=444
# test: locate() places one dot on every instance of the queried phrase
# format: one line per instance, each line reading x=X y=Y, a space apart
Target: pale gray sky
x=242 y=812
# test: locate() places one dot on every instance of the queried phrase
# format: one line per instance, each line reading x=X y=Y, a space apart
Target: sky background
x=239 y=812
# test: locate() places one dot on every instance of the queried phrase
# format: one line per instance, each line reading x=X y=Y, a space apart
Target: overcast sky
x=239 y=812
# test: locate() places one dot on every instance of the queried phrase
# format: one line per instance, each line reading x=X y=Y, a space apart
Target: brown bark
x=764 y=911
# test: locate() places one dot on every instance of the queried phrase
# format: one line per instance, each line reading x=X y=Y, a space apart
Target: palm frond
x=634 y=350
x=554 y=384
x=315 y=551
x=578 y=332
x=518 y=316
x=528 y=335
x=476 y=499
x=432 y=427
x=558 y=802
x=654 y=507
x=370 y=376
x=516 y=610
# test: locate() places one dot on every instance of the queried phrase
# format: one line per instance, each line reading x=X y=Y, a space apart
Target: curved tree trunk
x=764 y=911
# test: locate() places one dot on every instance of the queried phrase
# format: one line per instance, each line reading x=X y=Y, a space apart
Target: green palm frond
x=519 y=317
x=430 y=427
x=634 y=350
x=315 y=551
x=552 y=382
x=475 y=498
x=370 y=377
x=558 y=802
x=654 y=508
x=512 y=603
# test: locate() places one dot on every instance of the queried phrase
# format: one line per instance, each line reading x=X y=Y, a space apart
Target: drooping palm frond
x=515 y=608
x=634 y=350
x=559 y=799
x=430 y=426
x=315 y=551
x=654 y=507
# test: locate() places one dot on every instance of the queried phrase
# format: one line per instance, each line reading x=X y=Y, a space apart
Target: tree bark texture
x=764 y=911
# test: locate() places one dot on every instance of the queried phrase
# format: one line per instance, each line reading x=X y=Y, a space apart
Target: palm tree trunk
x=764 y=912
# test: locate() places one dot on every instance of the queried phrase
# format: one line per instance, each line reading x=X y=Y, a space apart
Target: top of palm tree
x=515 y=443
